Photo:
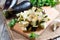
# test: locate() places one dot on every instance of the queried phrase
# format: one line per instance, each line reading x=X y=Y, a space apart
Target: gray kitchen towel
x=3 y=31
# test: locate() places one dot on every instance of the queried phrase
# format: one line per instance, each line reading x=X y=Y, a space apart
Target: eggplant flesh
x=25 y=5
x=7 y=4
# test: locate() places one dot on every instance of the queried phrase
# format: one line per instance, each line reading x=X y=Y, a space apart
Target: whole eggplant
x=7 y=4
x=25 y=5
x=13 y=3
x=10 y=4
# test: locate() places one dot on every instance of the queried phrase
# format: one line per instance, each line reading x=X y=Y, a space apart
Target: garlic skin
x=32 y=17
x=55 y=26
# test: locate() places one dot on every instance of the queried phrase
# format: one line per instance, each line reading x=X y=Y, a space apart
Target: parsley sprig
x=33 y=35
x=41 y=3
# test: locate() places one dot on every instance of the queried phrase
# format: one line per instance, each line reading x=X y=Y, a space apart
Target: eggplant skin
x=13 y=3
x=7 y=4
x=25 y=5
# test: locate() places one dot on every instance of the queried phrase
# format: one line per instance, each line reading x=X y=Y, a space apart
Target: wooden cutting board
x=52 y=14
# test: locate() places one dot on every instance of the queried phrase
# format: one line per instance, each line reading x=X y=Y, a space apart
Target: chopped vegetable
x=33 y=35
x=34 y=28
x=12 y=22
x=43 y=25
x=29 y=27
x=31 y=19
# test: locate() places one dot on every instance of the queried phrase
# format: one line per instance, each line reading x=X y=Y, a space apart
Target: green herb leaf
x=33 y=2
x=41 y=3
x=12 y=22
x=33 y=35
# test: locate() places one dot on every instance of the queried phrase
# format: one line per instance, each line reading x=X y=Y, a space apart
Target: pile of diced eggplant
x=33 y=19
